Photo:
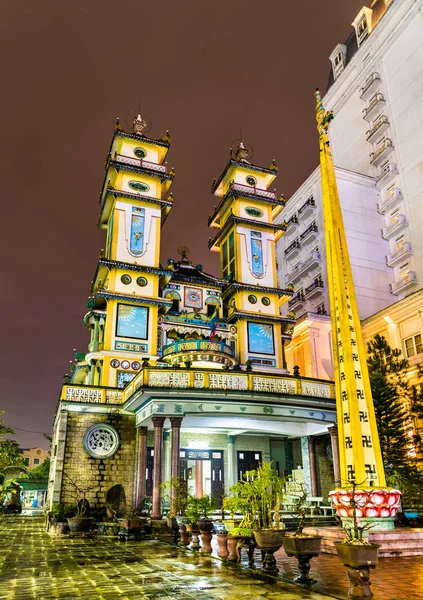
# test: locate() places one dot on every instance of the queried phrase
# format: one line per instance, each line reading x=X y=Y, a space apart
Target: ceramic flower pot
x=304 y=549
x=80 y=524
x=358 y=560
x=269 y=540
x=222 y=541
x=233 y=554
x=205 y=525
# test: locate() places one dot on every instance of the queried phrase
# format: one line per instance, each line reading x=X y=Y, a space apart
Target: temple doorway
x=203 y=471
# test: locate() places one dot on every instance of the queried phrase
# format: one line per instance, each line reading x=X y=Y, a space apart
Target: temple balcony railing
x=383 y=151
x=378 y=128
x=291 y=223
x=392 y=197
x=91 y=394
x=293 y=249
x=314 y=290
x=298 y=300
x=405 y=283
x=139 y=162
x=404 y=251
x=307 y=208
x=309 y=234
x=220 y=380
x=370 y=86
x=375 y=103
x=388 y=171
x=397 y=224
x=194 y=351
x=251 y=190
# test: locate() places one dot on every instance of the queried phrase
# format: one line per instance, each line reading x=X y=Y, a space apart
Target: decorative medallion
x=139 y=186
x=265 y=300
x=142 y=281
x=101 y=441
x=140 y=152
x=193 y=297
x=252 y=299
x=136 y=365
x=115 y=363
x=125 y=364
x=251 y=180
x=254 y=212
x=126 y=279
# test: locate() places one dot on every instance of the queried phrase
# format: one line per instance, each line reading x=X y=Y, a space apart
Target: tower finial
x=322 y=117
x=139 y=125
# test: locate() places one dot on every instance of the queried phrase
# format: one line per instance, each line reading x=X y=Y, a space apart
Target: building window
x=404 y=270
x=399 y=242
x=228 y=257
x=26 y=460
x=338 y=59
x=413 y=345
x=175 y=305
x=36 y=461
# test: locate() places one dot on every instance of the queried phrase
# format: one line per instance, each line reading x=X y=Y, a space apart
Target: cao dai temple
x=185 y=372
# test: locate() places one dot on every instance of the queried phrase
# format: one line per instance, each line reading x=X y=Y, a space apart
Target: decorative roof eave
x=218 y=283
x=235 y=285
x=239 y=315
x=233 y=193
x=142 y=138
x=134 y=299
x=106 y=263
x=244 y=165
x=256 y=224
x=165 y=204
x=95 y=312
x=150 y=172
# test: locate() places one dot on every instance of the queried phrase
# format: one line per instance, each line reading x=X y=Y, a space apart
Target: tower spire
x=359 y=447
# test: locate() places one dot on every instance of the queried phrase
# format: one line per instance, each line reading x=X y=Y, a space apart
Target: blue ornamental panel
x=257 y=254
x=260 y=338
x=137 y=243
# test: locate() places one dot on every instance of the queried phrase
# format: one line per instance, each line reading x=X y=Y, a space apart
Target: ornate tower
x=125 y=302
x=359 y=448
x=244 y=218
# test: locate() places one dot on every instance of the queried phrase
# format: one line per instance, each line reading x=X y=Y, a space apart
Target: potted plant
x=355 y=552
x=302 y=546
x=241 y=537
x=58 y=519
x=175 y=493
x=80 y=522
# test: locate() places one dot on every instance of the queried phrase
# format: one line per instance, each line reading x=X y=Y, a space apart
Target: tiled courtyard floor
x=34 y=565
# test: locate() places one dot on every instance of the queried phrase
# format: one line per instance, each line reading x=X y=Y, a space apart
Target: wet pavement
x=34 y=565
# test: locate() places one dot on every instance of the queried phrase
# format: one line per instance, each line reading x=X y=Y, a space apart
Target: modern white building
x=376 y=93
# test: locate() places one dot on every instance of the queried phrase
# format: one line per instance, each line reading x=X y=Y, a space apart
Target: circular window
x=265 y=300
x=254 y=212
x=114 y=363
x=252 y=299
x=251 y=180
x=140 y=152
x=101 y=441
x=126 y=279
x=136 y=365
x=142 y=282
x=125 y=364
x=139 y=186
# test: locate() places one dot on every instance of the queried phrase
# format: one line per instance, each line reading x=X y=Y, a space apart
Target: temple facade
x=185 y=372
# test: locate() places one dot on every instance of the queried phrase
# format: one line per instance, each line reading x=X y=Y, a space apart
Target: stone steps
x=398 y=542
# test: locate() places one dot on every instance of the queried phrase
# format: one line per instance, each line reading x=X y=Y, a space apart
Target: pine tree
x=394 y=402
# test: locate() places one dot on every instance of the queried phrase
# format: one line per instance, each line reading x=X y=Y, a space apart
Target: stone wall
x=102 y=474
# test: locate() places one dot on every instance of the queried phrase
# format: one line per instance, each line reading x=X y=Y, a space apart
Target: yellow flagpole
x=359 y=447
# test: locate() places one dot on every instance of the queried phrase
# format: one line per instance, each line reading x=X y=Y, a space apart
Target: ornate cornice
x=150 y=172
x=142 y=138
x=235 y=285
x=238 y=315
x=133 y=299
x=243 y=165
x=241 y=220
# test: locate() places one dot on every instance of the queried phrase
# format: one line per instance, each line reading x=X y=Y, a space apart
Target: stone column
x=232 y=474
x=141 y=466
x=199 y=491
x=305 y=454
x=313 y=473
x=176 y=423
x=333 y=432
x=158 y=423
x=284 y=365
x=166 y=462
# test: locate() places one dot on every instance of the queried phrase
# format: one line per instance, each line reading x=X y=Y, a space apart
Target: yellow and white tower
x=246 y=237
x=125 y=303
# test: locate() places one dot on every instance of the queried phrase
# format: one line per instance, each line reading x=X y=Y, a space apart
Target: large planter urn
x=358 y=559
x=185 y=536
x=269 y=540
x=304 y=548
x=222 y=542
x=205 y=525
x=80 y=525
x=233 y=553
x=59 y=528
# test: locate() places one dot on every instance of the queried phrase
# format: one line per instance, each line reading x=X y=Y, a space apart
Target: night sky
x=205 y=70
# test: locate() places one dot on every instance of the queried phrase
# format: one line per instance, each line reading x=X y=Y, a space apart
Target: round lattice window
x=101 y=441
